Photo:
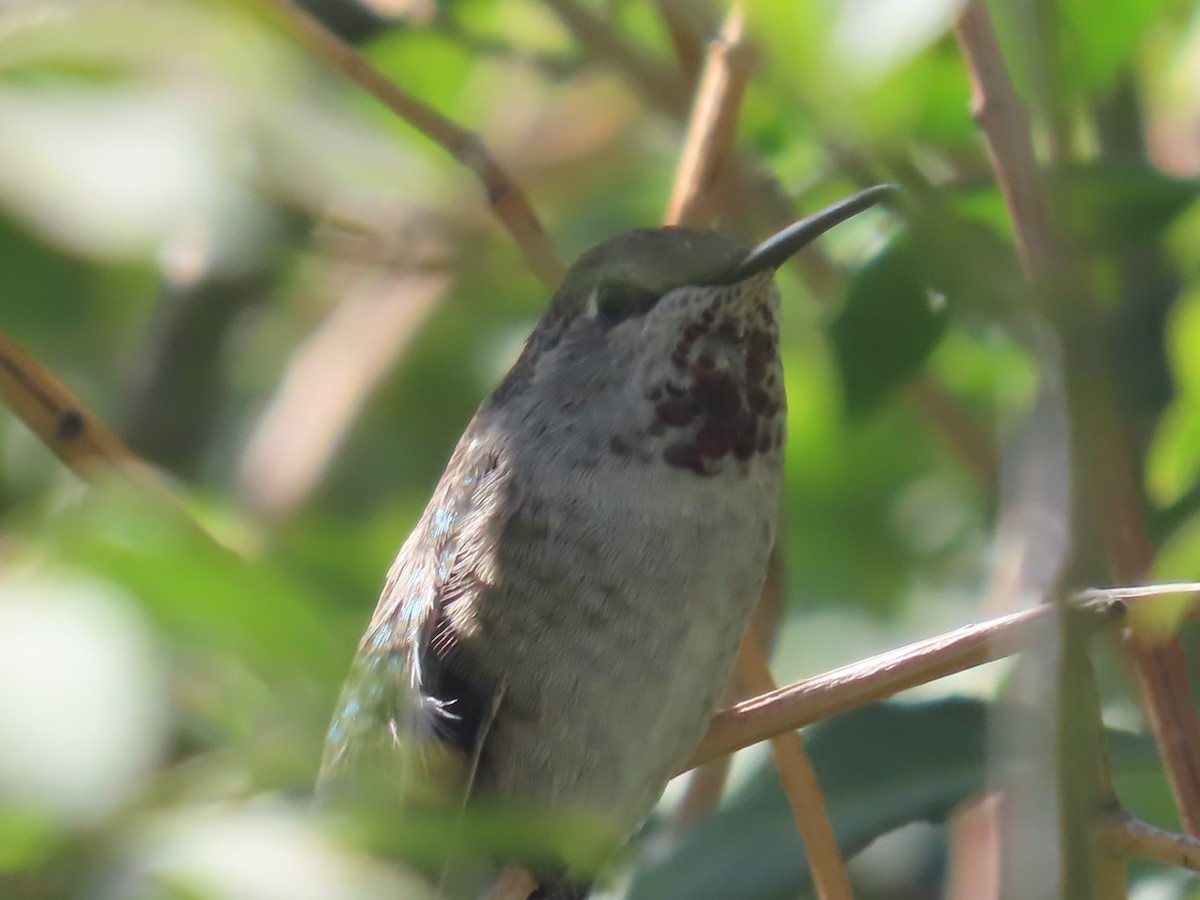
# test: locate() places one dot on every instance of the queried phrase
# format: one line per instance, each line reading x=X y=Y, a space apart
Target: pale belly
x=613 y=634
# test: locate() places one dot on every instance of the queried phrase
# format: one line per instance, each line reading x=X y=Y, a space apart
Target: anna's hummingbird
x=557 y=629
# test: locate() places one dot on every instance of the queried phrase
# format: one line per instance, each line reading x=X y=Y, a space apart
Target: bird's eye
x=613 y=302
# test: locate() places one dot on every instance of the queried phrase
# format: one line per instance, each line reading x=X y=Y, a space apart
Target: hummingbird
x=557 y=629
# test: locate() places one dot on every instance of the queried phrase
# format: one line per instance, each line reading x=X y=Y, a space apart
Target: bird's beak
x=778 y=248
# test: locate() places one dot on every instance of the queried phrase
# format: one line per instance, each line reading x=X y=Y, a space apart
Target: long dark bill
x=778 y=248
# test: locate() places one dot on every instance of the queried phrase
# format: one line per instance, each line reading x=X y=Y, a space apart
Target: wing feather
x=406 y=718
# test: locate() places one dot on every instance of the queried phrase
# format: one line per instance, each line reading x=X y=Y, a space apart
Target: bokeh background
x=290 y=303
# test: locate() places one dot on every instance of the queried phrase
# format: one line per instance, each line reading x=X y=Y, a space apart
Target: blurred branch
x=703 y=171
x=655 y=82
x=511 y=884
x=885 y=674
x=179 y=378
x=504 y=195
x=701 y=180
x=1004 y=121
x=331 y=375
x=1102 y=447
x=973 y=852
x=678 y=17
x=706 y=784
x=60 y=420
x=799 y=784
x=1124 y=834
x=1083 y=781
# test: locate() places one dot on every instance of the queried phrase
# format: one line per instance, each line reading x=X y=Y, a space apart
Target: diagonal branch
x=505 y=197
x=1004 y=121
x=1128 y=835
x=878 y=677
x=61 y=421
x=709 y=149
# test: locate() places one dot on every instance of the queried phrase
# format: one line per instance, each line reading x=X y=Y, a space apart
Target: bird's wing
x=405 y=720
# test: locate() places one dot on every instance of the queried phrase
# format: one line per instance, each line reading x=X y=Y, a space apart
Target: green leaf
x=27 y=837
x=202 y=595
x=1097 y=45
x=880 y=767
x=898 y=306
x=1107 y=205
x=1173 y=465
x=889 y=325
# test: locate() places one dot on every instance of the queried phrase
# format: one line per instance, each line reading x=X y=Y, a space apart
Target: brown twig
x=505 y=197
x=1126 y=835
x=974 y=853
x=799 y=784
x=708 y=150
x=701 y=180
x=1109 y=486
x=696 y=197
x=511 y=884
x=1005 y=123
x=1160 y=666
x=1112 y=490
x=60 y=420
x=875 y=678
x=842 y=689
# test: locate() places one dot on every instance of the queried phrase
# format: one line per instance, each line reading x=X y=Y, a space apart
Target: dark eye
x=616 y=301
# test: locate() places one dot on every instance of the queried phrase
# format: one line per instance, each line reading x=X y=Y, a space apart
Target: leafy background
x=291 y=304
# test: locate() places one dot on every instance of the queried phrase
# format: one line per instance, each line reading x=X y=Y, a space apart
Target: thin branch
x=61 y=421
x=1005 y=123
x=799 y=784
x=702 y=175
x=511 y=884
x=1113 y=493
x=1160 y=666
x=973 y=855
x=1126 y=835
x=505 y=197
x=1170 y=705
x=886 y=674
x=875 y=678
x=696 y=197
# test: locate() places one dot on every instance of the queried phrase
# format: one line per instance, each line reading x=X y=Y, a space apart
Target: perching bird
x=555 y=632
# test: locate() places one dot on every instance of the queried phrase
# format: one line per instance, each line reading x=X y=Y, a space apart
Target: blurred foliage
x=291 y=304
